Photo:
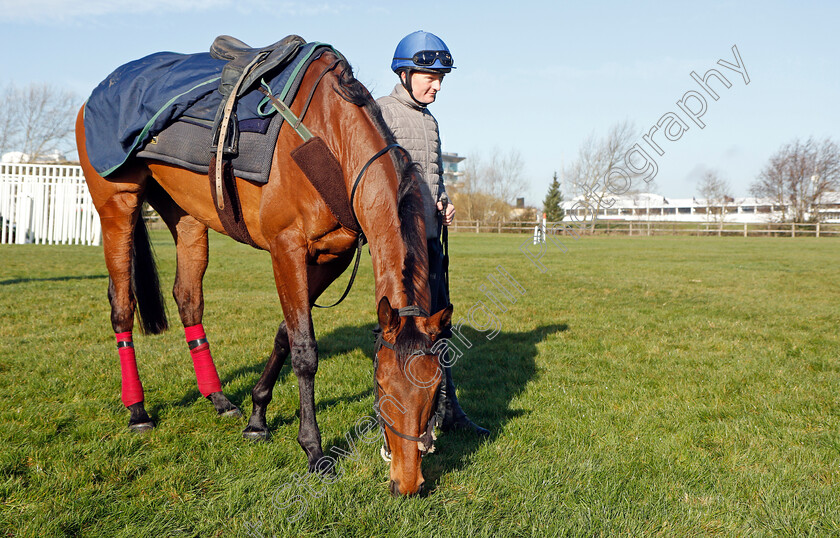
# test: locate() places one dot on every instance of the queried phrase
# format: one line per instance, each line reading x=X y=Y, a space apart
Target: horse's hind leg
x=118 y=204
x=192 y=254
x=257 y=429
x=118 y=201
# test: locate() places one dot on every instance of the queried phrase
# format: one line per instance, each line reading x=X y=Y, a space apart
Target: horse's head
x=407 y=376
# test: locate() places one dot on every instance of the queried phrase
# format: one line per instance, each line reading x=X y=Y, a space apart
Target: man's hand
x=449 y=216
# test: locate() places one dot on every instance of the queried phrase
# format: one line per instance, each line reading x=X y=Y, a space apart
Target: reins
x=362 y=239
x=360 y=242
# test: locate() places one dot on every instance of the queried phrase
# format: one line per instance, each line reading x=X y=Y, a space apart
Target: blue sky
x=538 y=77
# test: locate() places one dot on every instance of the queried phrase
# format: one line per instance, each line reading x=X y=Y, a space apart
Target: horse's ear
x=388 y=317
x=440 y=322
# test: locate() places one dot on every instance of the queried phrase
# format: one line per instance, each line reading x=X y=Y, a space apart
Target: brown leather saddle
x=246 y=66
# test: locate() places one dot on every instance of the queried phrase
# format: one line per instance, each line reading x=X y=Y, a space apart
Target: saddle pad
x=139 y=100
x=189 y=145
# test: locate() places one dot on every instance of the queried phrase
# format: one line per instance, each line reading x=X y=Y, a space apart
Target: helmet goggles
x=426 y=58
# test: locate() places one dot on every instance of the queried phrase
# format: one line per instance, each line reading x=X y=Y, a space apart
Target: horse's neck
x=389 y=252
x=377 y=212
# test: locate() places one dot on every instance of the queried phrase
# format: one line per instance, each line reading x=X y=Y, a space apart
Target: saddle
x=245 y=67
x=237 y=71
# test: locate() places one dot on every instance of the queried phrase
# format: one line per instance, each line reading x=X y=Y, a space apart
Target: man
x=421 y=61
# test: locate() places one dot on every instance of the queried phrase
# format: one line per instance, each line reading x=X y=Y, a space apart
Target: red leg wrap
x=205 y=370
x=132 y=389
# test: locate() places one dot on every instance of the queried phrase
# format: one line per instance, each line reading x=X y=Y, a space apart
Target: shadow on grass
x=489 y=376
x=341 y=341
x=50 y=279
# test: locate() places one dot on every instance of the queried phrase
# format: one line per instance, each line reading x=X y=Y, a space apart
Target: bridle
x=426 y=441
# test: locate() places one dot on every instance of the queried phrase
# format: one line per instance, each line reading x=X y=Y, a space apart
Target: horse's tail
x=151 y=310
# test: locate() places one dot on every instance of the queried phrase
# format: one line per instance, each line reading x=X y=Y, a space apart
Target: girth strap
x=295 y=121
x=288 y=115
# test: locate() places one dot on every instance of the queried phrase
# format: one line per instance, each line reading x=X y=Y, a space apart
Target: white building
x=14 y=157
x=19 y=157
x=655 y=207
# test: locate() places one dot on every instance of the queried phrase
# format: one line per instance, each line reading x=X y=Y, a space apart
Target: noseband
x=426 y=442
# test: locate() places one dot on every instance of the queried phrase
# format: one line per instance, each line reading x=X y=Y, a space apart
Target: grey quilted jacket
x=417 y=131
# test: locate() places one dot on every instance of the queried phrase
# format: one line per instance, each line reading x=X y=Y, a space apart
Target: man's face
x=425 y=86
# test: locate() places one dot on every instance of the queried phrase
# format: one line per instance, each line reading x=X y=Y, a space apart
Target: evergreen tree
x=552 y=205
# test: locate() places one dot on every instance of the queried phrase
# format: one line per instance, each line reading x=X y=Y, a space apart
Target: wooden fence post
x=745 y=229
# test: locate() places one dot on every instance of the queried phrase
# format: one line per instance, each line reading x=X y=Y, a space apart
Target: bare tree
x=718 y=195
x=502 y=176
x=37 y=120
x=489 y=186
x=596 y=157
x=797 y=176
x=7 y=125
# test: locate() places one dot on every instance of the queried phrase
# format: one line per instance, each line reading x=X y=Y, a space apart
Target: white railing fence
x=46 y=204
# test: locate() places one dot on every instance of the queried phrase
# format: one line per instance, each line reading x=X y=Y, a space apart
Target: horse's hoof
x=141 y=427
x=231 y=413
x=255 y=435
x=323 y=467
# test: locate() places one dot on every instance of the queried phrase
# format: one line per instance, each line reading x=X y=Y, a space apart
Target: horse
x=309 y=249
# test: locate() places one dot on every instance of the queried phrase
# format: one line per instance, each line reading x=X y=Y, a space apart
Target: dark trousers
x=437 y=281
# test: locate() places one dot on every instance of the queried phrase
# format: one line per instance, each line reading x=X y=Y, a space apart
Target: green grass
x=673 y=386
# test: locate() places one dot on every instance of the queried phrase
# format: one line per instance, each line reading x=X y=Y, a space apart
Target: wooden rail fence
x=650 y=228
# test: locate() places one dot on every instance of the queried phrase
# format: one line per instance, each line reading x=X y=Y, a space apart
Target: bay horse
x=309 y=249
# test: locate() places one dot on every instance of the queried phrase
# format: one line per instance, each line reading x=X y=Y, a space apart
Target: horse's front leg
x=304 y=354
x=257 y=429
x=288 y=255
x=298 y=286
x=319 y=277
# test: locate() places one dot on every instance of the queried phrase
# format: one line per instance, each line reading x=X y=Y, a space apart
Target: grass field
x=640 y=386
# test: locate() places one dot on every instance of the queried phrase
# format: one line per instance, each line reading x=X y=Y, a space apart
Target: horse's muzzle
x=394 y=488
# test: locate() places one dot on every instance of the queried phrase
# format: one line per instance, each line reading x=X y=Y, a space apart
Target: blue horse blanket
x=142 y=98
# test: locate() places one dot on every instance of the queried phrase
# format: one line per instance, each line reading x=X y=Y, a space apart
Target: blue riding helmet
x=422 y=51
